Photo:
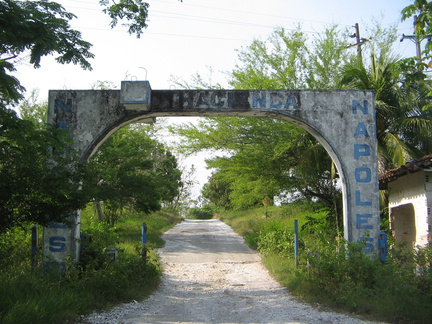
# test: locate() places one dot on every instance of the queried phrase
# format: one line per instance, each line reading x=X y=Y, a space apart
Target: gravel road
x=211 y=276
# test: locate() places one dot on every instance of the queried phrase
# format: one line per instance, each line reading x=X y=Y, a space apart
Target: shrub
x=95 y=240
x=200 y=213
x=33 y=296
x=336 y=273
x=276 y=240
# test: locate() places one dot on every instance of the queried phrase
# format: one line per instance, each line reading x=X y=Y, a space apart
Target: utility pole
x=416 y=40
x=359 y=41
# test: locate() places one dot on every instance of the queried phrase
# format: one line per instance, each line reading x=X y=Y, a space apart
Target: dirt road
x=211 y=276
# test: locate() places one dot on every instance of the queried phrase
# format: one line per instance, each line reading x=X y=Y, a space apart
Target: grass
x=35 y=296
x=334 y=274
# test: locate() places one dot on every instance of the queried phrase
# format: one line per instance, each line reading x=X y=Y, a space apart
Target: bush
x=15 y=248
x=94 y=241
x=35 y=296
x=200 y=213
x=276 y=237
x=335 y=273
x=348 y=279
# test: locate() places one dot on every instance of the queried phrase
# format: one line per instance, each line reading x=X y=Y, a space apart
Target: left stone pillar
x=88 y=116
x=61 y=240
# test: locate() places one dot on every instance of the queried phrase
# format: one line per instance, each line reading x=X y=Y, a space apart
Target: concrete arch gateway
x=342 y=121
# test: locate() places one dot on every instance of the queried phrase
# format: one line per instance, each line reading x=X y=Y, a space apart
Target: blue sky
x=185 y=38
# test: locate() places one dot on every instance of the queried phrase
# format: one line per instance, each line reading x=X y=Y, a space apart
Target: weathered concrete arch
x=342 y=121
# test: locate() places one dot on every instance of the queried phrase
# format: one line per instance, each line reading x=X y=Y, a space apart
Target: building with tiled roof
x=410 y=200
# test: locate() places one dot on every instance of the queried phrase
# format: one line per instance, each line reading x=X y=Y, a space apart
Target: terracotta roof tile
x=410 y=167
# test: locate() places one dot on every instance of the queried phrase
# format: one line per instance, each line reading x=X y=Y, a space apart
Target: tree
x=422 y=12
x=45 y=31
x=403 y=128
x=40 y=179
x=217 y=191
x=41 y=28
x=32 y=110
x=289 y=60
x=133 y=171
x=36 y=186
x=271 y=157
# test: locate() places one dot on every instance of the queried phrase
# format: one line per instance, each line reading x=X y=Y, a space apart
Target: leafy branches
x=131 y=170
x=32 y=189
x=39 y=28
x=131 y=10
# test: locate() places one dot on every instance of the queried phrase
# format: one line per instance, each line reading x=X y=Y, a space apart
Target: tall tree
x=134 y=171
x=270 y=157
x=35 y=185
x=421 y=12
x=403 y=129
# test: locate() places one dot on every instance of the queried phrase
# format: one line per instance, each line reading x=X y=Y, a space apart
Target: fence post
x=34 y=246
x=144 y=240
x=383 y=246
x=296 y=248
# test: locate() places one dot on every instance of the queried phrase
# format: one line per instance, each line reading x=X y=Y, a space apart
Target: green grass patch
x=335 y=274
x=36 y=296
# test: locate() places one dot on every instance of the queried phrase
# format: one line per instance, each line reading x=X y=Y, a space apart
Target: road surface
x=211 y=276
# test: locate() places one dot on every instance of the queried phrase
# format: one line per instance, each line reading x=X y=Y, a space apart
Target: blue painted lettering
x=361 y=150
x=291 y=100
x=258 y=101
x=275 y=101
x=58 y=104
x=284 y=100
x=57 y=243
x=363 y=175
x=361 y=130
x=362 y=221
x=221 y=101
x=202 y=100
x=61 y=110
x=359 y=202
x=356 y=105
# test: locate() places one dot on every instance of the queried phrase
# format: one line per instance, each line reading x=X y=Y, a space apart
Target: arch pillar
x=342 y=121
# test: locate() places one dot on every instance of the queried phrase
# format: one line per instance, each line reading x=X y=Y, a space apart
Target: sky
x=194 y=36
x=189 y=37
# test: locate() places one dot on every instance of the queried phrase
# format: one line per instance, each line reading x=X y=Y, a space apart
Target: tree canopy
x=40 y=178
x=266 y=157
x=132 y=170
x=41 y=28
x=36 y=185
x=269 y=157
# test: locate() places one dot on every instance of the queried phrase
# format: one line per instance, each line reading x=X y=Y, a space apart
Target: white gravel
x=211 y=276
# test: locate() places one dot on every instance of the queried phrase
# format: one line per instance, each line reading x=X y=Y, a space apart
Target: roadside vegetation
x=29 y=295
x=133 y=177
x=332 y=273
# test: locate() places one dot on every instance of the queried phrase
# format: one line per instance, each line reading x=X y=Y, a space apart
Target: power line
x=203 y=19
x=166 y=34
x=220 y=9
